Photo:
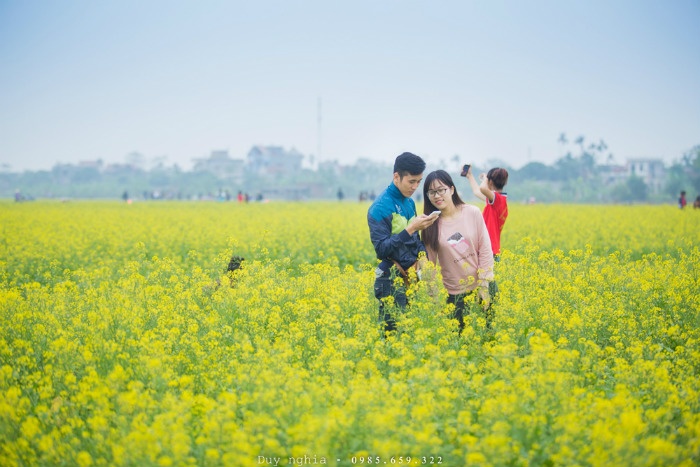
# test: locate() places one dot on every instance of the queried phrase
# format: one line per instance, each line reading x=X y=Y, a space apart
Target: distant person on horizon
x=682 y=201
x=393 y=229
x=490 y=190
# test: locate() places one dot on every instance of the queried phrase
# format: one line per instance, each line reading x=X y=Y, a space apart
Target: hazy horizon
x=485 y=80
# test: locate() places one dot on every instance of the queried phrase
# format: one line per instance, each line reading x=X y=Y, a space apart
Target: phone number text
x=396 y=460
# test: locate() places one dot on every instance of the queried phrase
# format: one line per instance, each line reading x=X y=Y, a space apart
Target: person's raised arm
x=474 y=185
x=486 y=192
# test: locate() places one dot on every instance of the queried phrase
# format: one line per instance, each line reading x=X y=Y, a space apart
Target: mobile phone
x=465 y=169
x=436 y=213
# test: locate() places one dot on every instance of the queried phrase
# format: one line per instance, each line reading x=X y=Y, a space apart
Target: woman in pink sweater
x=458 y=242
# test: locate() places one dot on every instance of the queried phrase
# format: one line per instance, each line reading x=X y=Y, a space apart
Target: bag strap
x=403 y=272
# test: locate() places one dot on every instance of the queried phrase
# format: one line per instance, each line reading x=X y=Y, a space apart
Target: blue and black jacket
x=387 y=218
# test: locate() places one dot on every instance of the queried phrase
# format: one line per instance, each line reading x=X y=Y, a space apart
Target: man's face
x=408 y=184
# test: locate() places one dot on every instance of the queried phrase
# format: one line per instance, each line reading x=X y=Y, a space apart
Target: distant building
x=613 y=174
x=120 y=168
x=652 y=171
x=273 y=160
x=221 y=165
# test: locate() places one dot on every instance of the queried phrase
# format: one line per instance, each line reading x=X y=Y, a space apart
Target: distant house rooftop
x=274 y=159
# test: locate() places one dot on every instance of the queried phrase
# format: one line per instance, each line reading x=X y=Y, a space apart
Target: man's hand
x=420 y=222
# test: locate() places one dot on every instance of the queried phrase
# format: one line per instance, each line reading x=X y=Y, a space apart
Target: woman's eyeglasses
x=439 y=191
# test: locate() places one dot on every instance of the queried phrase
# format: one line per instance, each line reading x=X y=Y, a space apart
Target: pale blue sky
x=82 y=80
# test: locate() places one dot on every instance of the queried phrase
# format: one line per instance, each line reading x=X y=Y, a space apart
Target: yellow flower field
x=123 y=341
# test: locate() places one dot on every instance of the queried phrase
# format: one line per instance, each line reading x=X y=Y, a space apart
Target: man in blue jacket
x=393 y=229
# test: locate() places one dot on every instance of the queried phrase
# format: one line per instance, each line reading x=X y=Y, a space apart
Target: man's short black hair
x=408 y=163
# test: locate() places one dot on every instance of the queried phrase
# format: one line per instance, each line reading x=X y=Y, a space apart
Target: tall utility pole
x=318 y=132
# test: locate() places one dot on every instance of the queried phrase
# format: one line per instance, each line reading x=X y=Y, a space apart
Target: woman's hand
x=484 y=297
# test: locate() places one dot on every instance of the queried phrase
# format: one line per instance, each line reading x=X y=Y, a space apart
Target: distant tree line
x=578 y=176
x=584 y=176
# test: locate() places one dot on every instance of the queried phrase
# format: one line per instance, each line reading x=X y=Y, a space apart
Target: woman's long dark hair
x=430 y=236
